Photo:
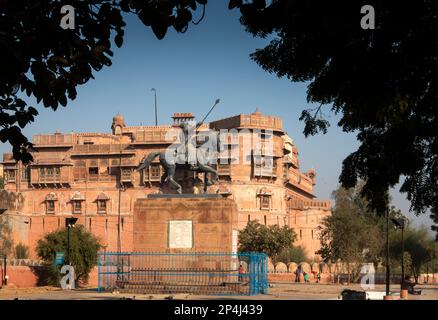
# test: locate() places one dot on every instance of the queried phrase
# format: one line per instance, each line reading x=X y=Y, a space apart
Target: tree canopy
x=352 y=233
x=355 y=234
x=45 y=61
x=271 y=240
x=419 y=249
x=382 y=82
x=292 y=254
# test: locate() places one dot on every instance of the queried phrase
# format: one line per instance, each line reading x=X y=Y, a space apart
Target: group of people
x=306 y=276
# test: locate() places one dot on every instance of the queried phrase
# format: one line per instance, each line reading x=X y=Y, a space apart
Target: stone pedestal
x=184 y=224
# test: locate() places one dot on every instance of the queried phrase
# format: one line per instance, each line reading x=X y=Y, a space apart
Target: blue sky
x=189 y=72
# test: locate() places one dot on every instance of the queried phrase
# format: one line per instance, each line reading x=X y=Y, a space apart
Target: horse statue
x=187 y=156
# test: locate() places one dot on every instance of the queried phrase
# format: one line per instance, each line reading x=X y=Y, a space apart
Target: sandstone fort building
x=92 y=176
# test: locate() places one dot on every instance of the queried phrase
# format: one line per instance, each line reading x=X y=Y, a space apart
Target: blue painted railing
x=192 y=272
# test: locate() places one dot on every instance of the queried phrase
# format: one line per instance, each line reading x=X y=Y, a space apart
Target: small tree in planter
x=84 y=247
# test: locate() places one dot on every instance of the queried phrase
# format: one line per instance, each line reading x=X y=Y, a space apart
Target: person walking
x=241 y=272
x=298 y=274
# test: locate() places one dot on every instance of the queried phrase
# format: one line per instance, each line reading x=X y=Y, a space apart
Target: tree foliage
x=419 y=249
x=292 y=254
x=84 y=247
x=271 y=240
x=355 y=234
x=352 y=233
x=383 y=83
x=44 y=61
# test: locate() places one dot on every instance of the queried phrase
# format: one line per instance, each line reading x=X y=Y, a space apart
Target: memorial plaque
x=180 y=234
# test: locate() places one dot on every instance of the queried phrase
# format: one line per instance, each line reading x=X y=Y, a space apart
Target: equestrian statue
x=185 y=156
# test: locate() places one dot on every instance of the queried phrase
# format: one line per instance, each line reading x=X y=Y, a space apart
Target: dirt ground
x=280 y=291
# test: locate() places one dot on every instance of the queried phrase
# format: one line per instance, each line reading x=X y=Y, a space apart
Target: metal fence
x=196 y=273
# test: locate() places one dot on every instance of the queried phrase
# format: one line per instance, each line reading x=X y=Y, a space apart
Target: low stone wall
x=22 y=276
x=332 y=278
x=33 y=276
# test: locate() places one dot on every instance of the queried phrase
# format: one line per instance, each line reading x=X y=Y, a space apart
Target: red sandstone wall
x=213 y=221
x=20 y=276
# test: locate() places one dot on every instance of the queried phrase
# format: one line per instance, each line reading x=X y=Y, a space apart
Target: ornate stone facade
x=92 y=176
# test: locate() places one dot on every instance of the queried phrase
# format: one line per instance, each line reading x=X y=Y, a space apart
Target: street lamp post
x=388 y=275
x=403 y=254
x=70 y=223
x=399 y=223
x=4 y=280
x=119 y=218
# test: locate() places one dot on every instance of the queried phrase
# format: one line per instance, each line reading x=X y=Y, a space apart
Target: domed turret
x=118 y=124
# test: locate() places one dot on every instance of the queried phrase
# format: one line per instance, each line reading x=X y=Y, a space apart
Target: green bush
x=271 y=240
x=292 y=254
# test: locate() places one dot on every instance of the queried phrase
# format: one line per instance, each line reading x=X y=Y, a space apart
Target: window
x=93 y=170
x=25 y=173
x=42 y=173
x=57 y=172
x=50 y=206
x=101 y=206
x=93 y=173
x=80 y=170
x=49 y=172
x=265 y=202
x=77 y=206
x=10 y=175
x=264 y=219
x=126 y=174
x=155 y=172
x=285 y=172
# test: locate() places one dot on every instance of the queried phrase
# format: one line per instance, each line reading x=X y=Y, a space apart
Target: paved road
x=279 y=291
